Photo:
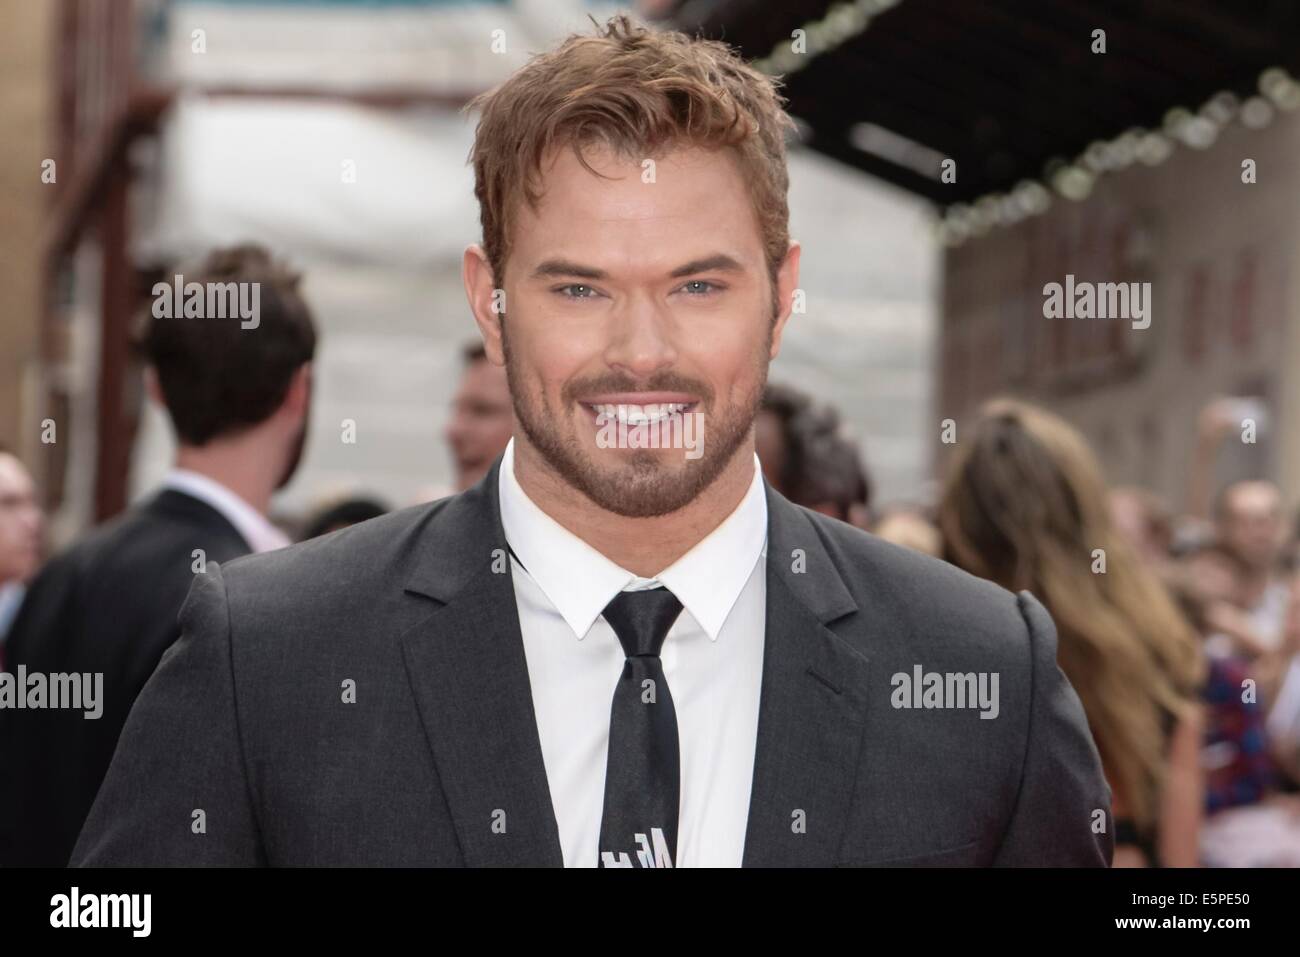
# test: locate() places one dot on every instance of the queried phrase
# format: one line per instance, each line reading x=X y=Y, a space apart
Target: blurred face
x=1213 y=578
x=481 y=421
x=633 y=302
x=21 y=522
x=1129 y=516
x=1251 y=524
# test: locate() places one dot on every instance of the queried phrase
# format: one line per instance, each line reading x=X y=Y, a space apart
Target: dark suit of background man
x=605 y=653
x=238 y=399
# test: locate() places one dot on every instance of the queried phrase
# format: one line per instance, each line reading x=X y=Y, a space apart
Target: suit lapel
x=470 y=679
x=813 y=703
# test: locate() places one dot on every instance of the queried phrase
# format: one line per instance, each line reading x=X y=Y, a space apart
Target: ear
x=787 y=281
x=484 y=300
x=153 y=387
x=297 y=399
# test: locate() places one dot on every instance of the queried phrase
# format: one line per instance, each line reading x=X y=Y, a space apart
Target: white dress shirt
x=712 y=660
x=251 y=524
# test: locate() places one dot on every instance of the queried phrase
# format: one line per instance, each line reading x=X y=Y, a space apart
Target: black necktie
x=643 y=773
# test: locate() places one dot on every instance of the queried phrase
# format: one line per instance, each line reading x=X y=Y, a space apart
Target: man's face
x=627 y=293
x=21 y=522
x=1251 y=526
x=480 y=423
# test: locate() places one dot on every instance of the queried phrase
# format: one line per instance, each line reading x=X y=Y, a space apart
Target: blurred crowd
x=1179 y=627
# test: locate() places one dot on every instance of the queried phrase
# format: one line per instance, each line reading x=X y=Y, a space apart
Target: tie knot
x=641 y=619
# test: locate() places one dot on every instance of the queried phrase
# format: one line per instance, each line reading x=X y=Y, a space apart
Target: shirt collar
x=579 y=581
x=251 y=524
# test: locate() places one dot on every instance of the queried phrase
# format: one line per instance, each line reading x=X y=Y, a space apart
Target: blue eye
x=699 y=287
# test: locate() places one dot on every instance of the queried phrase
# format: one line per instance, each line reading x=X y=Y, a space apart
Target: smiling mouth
x=637 y=415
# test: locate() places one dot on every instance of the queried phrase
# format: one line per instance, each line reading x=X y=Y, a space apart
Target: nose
x=641 y=339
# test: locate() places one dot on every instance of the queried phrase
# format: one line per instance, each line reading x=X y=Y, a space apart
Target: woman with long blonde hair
x=1024 y=505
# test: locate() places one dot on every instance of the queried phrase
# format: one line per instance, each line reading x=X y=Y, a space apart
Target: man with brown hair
x=620 y=648
x=237 y=394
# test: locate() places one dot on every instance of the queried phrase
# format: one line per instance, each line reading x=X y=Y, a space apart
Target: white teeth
x=636 y=415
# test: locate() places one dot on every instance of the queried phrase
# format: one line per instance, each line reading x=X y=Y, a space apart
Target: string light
x=1256 y=113
x=1074 y=180
x=842 y=23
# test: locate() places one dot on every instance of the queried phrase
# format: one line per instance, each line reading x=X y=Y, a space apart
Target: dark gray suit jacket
x=109 y=605
x=245 y=718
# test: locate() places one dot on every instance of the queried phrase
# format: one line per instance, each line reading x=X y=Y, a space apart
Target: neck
x=242 y=464
x=644 y=546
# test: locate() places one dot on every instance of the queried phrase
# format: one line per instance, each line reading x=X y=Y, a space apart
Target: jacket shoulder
x=145 y=540
x=351 y=563
x=927 y=599
x=855 y=548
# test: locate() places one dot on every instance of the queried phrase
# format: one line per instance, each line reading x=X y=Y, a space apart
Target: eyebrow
x=719 y=262
x=563 y=267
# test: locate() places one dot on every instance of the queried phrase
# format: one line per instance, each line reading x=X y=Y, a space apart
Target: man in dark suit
x=620 y=648
x=109 y=606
